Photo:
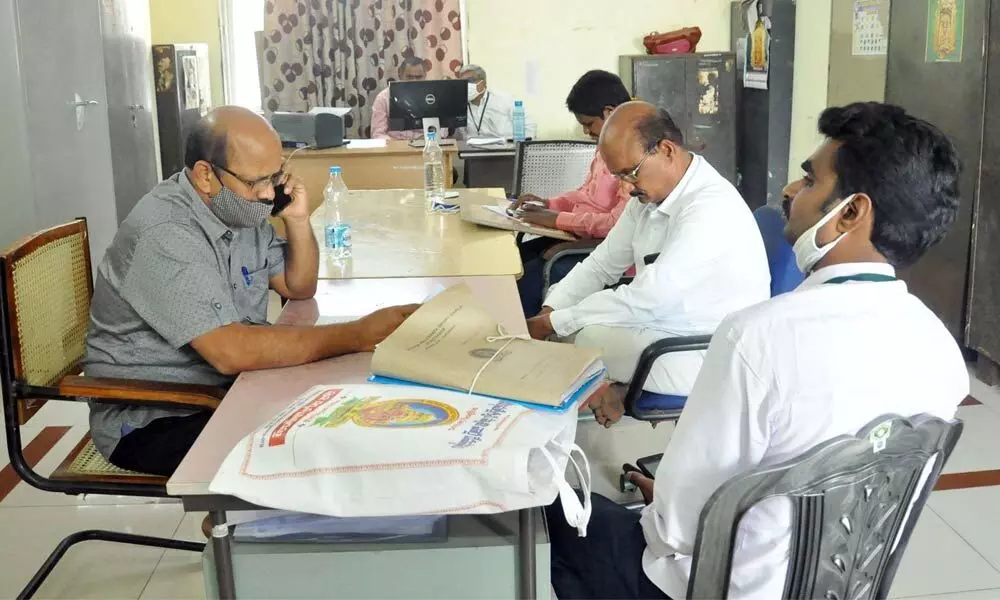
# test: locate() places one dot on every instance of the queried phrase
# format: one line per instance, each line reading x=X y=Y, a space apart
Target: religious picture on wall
x=945 y=30
x=758 y=57
x=192 y=85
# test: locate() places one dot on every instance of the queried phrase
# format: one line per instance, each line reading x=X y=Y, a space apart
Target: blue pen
x=246 y=276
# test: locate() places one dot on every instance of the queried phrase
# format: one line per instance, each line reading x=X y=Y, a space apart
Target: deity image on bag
x=398 y=412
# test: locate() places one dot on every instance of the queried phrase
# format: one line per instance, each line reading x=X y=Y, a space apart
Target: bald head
x=644 y=147
x=233 y=142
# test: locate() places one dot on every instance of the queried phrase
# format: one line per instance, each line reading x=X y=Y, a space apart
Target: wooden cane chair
x=45 y=292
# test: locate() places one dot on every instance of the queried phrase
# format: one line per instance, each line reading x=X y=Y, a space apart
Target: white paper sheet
x=486 y=141
x=365 y=144
x=333 y=110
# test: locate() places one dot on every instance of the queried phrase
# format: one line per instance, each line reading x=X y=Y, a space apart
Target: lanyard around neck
x=482 y=115
x=870 y=277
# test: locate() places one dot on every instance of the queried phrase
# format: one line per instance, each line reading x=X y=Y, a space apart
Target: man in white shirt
x=707 y=259
x=491 y=113
x=849 y=345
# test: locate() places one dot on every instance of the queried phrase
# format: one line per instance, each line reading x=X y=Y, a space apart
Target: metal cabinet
x=699 y=92
x=66 y=121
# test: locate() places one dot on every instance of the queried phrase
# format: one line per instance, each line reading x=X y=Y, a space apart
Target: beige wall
x=809 y=91
x=190 y=22
x=565 y=39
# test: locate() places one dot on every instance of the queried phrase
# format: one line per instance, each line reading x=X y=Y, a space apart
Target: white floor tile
x=179 y=573
x=90 y=569
x=979 y=447
x=988 y=395
x=938 y=561
x=608 y=449
x=973 y=514
x=60 y=413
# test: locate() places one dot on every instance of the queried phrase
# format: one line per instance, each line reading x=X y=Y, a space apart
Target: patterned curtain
x=343 y=52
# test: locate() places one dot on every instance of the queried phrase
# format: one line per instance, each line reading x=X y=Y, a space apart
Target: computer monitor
x=415 y=105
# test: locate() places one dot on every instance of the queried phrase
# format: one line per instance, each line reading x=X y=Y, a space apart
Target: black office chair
x=45 y=293
x=849 y=499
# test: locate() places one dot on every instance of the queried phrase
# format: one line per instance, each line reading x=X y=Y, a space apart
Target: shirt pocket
x=251 y=298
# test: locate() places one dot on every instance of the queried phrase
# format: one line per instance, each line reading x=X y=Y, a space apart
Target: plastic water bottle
x=433 y=170
x=336 y=231
x=519 y=125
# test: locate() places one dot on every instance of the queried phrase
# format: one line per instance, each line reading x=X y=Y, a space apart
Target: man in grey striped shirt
x=181 y=295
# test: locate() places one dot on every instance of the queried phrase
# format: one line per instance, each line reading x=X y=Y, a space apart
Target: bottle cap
x=432 y=135
x=518 y=103
x=335 y=170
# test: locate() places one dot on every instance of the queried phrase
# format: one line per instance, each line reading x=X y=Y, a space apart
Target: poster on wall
x=758 y=56
x=945 y=30
x=871 y=28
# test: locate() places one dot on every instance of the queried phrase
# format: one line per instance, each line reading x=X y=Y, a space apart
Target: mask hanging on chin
x=807 y=253
x=236 y=212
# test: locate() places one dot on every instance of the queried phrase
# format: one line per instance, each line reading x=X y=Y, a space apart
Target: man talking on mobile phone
x=182 y=293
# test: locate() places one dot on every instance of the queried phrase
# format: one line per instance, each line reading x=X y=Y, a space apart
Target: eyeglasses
x=256 y=185
x=633 y=175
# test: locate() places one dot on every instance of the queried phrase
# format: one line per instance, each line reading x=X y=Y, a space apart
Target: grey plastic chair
x=549 y=168
x=849 y=504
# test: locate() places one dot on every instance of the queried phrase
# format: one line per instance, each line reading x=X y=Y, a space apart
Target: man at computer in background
x=849 y=345
x=491 y=113
x=412 y=69
x=182 y=293
x=588 y=211
x=705 y=253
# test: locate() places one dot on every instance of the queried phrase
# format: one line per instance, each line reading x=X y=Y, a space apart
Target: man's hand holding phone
x=291 y=193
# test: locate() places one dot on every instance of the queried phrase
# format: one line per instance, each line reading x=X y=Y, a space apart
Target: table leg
x=223 y=554
x=526 y=575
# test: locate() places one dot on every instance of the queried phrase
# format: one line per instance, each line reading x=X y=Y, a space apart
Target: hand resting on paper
x=522 y=202
x=379 y=325
x=534 y=215
x=540 y=327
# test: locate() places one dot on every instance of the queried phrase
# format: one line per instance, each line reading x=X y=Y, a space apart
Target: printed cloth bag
x=378 y=450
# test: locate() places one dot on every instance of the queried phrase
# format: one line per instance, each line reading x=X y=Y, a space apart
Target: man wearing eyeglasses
x=697 y=250
x=182 y=293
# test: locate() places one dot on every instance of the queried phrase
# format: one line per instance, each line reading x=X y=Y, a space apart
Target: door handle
x=84 y=103
x=136 y=107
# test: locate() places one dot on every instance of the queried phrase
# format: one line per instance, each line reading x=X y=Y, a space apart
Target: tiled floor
x=954 y=553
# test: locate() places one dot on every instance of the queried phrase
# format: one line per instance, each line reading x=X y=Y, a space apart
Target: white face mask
x=807 y=253
x=473 y=91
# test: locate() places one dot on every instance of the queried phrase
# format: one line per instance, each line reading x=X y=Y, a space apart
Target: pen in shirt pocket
x=246 y=276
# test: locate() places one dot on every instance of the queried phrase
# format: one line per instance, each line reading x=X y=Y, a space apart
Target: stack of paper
x=452 y=342
x=285 y=527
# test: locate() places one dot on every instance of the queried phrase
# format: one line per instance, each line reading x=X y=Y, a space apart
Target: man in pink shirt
x=589 y=211
x=412 y=69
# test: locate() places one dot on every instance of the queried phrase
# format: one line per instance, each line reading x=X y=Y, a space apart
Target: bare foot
x=609 y=405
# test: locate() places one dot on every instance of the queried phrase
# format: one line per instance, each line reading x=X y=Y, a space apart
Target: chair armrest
x=649 y=356
x=581 y=247
x=132 y=391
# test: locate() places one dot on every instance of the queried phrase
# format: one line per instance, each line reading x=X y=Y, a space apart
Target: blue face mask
x=237 y=212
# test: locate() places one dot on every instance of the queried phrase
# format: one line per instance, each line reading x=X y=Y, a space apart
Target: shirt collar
x=672 y=205
x=821 y=276
x=203 y=215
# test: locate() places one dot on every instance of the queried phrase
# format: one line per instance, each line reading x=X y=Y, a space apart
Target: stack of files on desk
x=451 y=341
x=292 y=527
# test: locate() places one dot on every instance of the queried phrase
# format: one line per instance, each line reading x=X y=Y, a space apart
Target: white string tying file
x=500 y=337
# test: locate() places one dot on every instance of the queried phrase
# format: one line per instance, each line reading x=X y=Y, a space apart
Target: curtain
x=343 y=52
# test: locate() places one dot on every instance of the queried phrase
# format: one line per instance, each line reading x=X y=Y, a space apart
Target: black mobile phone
x=281 y=200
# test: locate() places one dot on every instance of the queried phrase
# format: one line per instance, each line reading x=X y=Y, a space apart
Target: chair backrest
x=550 y=168
x=850 y=499
x=45 y=292
x=785 y=274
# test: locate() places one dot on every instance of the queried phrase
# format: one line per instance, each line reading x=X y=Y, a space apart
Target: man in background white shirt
x=491 y=113
x=849 y=345
x=709 y=259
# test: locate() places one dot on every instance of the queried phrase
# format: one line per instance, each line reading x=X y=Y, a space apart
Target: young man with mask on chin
x=589 y=211
x=849 y=345
x=697 y=251
x=181 y=295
